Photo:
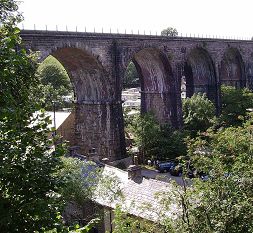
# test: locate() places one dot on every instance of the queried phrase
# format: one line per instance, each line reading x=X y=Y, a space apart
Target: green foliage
x=125 y=223
x=170 y=31
x=87 y=228
x=55 y=82
x=80 y=179
x=157 y=142
x=198 y=113
x=8 y=13
x=29 y=198
x=131 y=78
x=224 y=201
x=235 y=103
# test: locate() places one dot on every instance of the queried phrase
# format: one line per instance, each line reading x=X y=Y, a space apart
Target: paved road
x=167 y=177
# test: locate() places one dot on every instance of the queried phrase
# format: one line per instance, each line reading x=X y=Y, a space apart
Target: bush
x=198 y=113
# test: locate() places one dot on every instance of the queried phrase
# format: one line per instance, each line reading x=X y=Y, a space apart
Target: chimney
x=134 y=173
x=136 y=160
x=105 y=160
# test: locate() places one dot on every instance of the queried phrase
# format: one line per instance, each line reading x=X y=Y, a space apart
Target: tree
x=170 y=31
x=55 y=82
x=29 y=199
x=221 y=203
x=131 y=78
x=235 y=103
x=160 y=142
x=224 y=201
x=198 y=113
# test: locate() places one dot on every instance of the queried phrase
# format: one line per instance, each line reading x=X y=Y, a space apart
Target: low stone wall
x=122 y=163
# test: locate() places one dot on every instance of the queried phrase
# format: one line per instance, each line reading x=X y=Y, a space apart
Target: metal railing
x=125 y=31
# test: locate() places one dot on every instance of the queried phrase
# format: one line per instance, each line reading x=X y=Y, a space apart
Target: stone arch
x=199 y=72
x=232 y=70
x=90 y=80
x=97 y=124
x=157 y=84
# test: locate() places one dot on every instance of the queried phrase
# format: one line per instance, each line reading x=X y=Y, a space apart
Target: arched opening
x=86 y=73
x=96 y=124
x=199 y=74
x=154 y=93
x=157 y=85
x=131 y=102
x=56 y=85
x=232 y=69
x=57 y=92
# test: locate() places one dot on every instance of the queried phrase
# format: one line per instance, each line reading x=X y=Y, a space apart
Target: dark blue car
x=165 y=167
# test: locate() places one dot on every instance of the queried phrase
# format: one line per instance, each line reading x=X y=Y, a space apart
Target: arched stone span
x=157 y=84
x=200 y=74
x=87 y=74
x=96 y=118
x=232 y=71
x=114 y=51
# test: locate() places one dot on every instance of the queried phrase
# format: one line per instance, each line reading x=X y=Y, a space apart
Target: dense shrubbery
x=29 y=199
x=235 y=103
x=157 y=142
x=198 y=113
x=221 y=203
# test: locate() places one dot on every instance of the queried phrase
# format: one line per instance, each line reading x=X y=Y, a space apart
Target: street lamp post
x=54 y=118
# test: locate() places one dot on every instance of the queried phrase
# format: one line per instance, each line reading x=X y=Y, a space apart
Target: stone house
x=139 y=196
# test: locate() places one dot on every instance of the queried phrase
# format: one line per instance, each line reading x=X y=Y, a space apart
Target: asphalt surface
x=166 y=177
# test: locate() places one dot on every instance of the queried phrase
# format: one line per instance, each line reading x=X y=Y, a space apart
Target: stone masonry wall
x=99 y=61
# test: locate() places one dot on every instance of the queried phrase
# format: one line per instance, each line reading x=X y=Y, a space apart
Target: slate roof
x=139 y=198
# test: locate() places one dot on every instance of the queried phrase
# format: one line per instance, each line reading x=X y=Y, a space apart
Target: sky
x=222 y=18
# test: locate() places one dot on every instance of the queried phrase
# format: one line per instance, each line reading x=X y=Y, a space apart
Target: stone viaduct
x=96 y=64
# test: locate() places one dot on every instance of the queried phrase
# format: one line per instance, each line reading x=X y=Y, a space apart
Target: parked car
x=165 y=167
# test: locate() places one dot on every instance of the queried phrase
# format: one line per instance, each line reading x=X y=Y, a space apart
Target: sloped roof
x=60 y=117
x=142 y=199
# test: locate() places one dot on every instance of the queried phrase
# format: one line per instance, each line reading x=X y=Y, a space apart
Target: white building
x=131 y=98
